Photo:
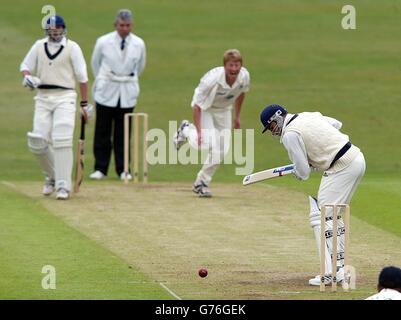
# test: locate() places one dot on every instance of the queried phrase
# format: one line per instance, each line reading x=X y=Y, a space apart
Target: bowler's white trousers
x=216 y=137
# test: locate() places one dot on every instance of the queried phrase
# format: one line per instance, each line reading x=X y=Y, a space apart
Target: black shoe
x=202 y=190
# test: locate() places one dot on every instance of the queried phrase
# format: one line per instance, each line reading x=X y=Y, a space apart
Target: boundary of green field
x=31 y=238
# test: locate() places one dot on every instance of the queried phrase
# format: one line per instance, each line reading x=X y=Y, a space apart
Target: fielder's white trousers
x=54 y=120
x=216 y=137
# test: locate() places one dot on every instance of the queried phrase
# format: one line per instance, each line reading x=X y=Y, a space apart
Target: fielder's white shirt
x=386 y=294
x=213 y=93
x=295 y=146
x=117 y=71
x=77 y=58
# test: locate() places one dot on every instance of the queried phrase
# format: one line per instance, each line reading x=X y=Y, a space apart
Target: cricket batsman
x=219 y=90
x=315 y=142
x=52 y=66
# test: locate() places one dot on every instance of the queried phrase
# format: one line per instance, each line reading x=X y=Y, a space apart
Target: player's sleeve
x=203 y=92
x=246 y=80
x=79 y=64
x=30 y=61
x=334 y=122
x=142 y=60
x=96 y=57
x=295 y=146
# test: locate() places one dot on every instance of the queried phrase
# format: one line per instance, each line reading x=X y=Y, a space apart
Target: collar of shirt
x=53 y=44
x=390 y=291
x=224 y=84
x=288 y=117
x=118 y=38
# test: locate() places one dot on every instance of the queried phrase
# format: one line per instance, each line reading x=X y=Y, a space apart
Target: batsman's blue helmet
x=268 y=113
x=56 y=21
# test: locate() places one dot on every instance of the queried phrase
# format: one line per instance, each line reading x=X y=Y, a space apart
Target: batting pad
x=314 y=219
x=43 y=152
x=63 y=160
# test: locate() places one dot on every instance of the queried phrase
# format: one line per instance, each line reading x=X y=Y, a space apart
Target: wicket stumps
x=136 y=116
x=346 y=219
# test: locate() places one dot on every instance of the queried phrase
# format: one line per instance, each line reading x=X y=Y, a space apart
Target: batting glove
x=86 y=110
x=31 y=82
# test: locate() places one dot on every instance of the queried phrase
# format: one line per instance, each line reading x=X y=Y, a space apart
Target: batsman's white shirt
x=313 y=138
x=117 y=71
x=55 y=109
x=323 y=137
x=30 y=62
x=386 y=294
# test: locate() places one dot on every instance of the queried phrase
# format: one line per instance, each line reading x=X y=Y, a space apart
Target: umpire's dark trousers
x=109 y=134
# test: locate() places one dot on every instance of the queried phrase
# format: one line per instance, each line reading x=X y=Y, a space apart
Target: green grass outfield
x=32 y=238
x=297 y=55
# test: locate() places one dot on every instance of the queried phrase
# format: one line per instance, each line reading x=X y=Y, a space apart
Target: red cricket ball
x=202 y=272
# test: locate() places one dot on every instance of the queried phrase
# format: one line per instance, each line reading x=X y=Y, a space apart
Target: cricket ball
x=202 y=272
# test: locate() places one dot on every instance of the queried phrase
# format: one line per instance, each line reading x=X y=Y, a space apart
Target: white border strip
x=170 y=291
x=9 y=184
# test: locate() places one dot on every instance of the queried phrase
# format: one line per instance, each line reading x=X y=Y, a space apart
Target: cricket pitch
x=256 y=242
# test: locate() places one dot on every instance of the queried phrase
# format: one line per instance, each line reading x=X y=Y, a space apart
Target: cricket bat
x=79 y=170
x=268 y=174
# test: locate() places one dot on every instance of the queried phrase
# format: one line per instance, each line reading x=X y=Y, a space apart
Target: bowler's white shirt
x=386 y=294
x=214 y=93
x=77 y=58
x=295 y=146
x=107 y=59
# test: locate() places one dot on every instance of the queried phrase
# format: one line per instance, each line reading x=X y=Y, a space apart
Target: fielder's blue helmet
x=268 y=113
x=56 y=21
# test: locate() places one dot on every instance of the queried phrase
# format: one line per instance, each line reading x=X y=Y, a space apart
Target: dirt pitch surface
x=255 y=241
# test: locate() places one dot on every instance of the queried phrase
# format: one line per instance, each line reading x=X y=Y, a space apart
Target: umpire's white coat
x=117 y=71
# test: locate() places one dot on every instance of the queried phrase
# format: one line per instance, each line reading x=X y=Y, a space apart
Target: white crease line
x=169 y=291
x=9 y=184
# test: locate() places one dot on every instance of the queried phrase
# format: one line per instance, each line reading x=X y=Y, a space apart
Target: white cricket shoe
x=62 y=194
x=97 y=175
x=122 y=176
x=327 y=278
x=179 y=137
x=49 y=187
x=202 y=190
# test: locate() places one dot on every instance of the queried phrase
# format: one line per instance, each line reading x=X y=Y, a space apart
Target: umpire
x=117 y=61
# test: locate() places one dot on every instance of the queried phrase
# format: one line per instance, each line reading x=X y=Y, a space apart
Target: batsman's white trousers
x=338 y=188
x=216 y=137
x=54 y=120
